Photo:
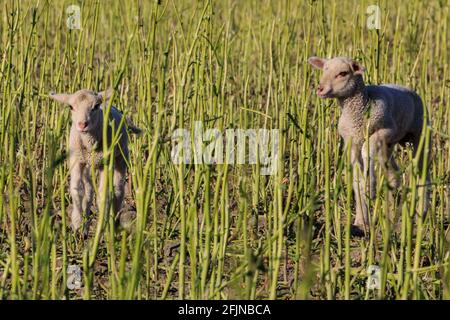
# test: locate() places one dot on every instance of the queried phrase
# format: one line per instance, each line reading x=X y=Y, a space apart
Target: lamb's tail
x=132 y=128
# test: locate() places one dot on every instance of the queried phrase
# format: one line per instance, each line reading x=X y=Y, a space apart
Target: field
x=221 y=230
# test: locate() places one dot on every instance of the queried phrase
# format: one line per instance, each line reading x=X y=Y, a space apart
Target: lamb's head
x=341 y=76
x=85 y=107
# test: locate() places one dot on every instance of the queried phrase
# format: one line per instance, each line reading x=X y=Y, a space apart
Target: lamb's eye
x=97 y=106
x=342 y=74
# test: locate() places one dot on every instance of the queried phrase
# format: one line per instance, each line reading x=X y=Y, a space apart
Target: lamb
x=85 y=150
x=391 y=114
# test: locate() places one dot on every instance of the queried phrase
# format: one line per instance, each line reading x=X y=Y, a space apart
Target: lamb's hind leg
x=118 y=189
x=393 y=177
x=376 y=149
x=424 y=189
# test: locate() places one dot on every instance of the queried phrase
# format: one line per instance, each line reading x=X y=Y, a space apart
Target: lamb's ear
x=61 y=97
x=317 y=62
x=357 y=67
x=105 y=95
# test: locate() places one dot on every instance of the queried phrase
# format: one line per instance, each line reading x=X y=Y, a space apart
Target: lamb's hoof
x=85 y=232
x=126 y=219
x=75 y=219
x=357 y=231
x=75 y=224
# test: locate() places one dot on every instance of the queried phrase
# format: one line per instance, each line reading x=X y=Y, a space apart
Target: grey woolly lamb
x=391 y=114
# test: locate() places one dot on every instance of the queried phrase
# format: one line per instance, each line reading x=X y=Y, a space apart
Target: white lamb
x=85 y=150
x=392 y=114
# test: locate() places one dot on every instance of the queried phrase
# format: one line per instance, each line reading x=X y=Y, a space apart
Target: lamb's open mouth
x=328 y=94
x=325 y=95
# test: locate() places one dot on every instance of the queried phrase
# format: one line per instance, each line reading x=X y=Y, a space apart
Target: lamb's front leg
x=88 y=197
x=362 y=218
x=103 y=178
x=369 y=151
x=119 y=188
x=77 y=193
